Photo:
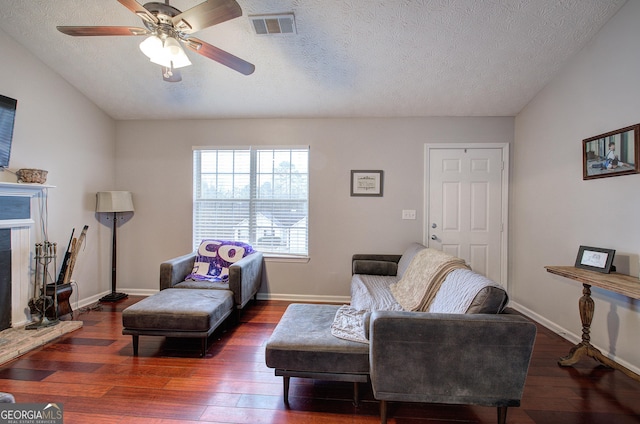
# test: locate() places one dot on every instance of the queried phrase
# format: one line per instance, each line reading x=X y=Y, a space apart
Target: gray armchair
x=245 y=276
x=476 y=359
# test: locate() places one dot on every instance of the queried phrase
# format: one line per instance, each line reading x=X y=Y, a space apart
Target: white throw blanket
x=422 y=280
x=349 y=324
x=458 y=291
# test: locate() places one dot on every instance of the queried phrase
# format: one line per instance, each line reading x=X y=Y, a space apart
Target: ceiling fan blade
x=81 y=31
x=206 y=14
x=214 y=53
x=171 y=75
x=139 y=10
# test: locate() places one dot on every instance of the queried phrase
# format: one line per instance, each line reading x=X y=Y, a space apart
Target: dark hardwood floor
x=93 y=374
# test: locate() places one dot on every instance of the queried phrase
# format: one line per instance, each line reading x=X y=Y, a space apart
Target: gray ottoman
x=193 y=313
x=302 y=346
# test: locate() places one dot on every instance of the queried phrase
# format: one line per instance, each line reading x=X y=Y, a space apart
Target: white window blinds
x=256 y=195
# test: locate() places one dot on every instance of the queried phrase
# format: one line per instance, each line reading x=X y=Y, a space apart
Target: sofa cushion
x=214 y=258
x=202 y=284
x=371 y=293
x=302 y=341
x=407 y=257
x=179 y=310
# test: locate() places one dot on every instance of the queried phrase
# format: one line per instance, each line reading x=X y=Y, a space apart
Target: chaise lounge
x=196 y=296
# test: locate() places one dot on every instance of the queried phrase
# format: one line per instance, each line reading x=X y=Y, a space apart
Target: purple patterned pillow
x=214 y=258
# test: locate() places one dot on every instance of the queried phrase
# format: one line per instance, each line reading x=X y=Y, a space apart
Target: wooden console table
x=618 y=283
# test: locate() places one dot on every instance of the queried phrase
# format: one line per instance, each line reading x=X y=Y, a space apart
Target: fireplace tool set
x=45 y=254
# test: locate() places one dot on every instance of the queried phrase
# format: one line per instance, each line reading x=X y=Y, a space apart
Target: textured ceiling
x=349 y=58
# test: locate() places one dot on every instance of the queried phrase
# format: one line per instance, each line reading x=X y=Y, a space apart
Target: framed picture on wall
x=595 y=259
x=366 y=183
x=612 y=154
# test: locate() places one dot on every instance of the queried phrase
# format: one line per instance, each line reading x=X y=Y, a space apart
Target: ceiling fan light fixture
x=152 y=47
x=168 y=53
x=180 y=60
x=172 y=47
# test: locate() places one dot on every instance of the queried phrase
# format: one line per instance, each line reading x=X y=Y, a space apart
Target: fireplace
x=5 y=279
x=17 y=238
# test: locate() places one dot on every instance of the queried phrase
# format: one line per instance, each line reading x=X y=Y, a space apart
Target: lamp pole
x=113 y=296
x=113 y=202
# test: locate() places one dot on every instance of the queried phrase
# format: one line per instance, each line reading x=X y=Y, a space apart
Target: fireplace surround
x=19 y=213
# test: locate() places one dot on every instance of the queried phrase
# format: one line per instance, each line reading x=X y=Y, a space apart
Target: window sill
x=270 y=257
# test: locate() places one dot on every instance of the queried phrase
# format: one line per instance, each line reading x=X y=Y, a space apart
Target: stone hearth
x=17 y=341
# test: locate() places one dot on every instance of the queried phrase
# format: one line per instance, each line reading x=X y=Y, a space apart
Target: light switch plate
x=408 y=214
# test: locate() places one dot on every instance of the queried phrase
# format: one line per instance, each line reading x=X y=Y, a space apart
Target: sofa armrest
x=245 y=278
x=175 y=270
x=375 y=264
x=477 y=359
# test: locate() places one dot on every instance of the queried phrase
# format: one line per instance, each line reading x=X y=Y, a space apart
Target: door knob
x=433 y=237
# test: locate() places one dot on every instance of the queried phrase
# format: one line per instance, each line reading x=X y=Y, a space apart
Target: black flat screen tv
x=7 y=119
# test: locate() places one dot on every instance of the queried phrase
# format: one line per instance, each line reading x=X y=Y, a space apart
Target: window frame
x=254 y=200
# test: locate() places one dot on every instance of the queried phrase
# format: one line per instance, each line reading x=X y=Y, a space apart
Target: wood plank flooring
x=93 y=374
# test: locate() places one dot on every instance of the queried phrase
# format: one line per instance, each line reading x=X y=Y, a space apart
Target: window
x=256 y=195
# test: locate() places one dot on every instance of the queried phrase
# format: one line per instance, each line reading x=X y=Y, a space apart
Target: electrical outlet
x=408 y=214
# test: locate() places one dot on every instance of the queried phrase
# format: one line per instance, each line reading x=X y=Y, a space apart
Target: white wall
x=154 y=162
x=554 y=211
x=59 y=130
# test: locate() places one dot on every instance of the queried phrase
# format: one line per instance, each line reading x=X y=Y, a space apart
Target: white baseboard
x=304 y=298
x=568 y=335
x=82 y=303
x=261 y=296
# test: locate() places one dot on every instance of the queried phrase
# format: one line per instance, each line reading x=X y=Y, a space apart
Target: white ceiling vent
x=284 y=24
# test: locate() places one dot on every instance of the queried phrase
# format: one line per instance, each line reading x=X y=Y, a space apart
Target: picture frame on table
x=612 y=154
x=366 y=183
x=595 y=259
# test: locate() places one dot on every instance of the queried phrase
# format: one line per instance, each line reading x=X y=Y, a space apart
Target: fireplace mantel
x=21 y=189
x=22 y=227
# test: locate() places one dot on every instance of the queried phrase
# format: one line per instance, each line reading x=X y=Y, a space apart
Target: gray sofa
x=480 y=356
x=245 y=276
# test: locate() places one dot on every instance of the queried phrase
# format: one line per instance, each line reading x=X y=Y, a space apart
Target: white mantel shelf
x=22 y=189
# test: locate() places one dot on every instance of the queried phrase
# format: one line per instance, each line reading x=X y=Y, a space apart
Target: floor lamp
x=113 y=202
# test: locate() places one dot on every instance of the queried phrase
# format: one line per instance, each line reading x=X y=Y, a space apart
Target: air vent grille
x=282 y=24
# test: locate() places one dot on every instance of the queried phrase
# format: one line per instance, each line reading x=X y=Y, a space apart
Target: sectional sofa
x=451 y=342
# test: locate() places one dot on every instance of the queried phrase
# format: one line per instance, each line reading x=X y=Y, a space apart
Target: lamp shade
x=114 y=201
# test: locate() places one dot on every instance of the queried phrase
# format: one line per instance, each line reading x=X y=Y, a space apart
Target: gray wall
x=60 y=130
x=154 y=162
x=554 y=211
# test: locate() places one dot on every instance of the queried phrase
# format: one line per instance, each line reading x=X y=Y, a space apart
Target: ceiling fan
x=167 y=28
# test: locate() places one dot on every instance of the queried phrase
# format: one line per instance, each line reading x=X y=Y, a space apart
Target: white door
x=467 y=205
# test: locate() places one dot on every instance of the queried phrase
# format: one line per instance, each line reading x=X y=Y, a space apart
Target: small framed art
x=366 y=183
x=595 y=259
x=612 y=154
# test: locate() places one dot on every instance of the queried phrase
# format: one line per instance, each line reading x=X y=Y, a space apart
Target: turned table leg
x=586 y=306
